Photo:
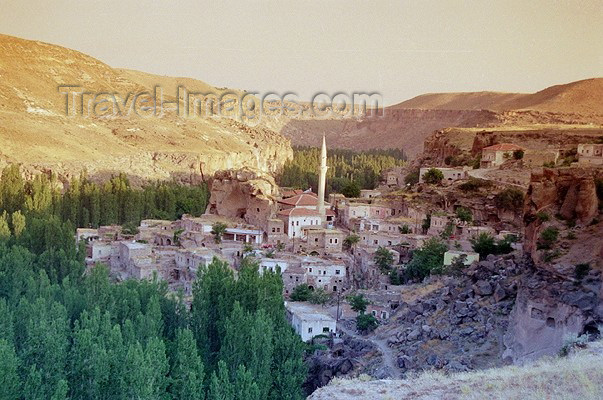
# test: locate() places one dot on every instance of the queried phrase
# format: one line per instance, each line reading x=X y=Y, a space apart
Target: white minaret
x=322 y=181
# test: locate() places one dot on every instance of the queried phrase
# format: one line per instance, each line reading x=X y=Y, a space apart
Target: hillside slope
x=579 y=376
x=36 y=132
x=581 y=97
x=406 y=125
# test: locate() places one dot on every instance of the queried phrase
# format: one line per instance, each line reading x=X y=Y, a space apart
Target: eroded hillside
x=36 y=132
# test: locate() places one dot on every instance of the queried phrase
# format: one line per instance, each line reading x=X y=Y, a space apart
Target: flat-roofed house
x=309 y=321
x=590 y=154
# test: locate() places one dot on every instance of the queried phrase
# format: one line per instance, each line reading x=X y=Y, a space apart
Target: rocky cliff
x=244 y=193
x=37 y=132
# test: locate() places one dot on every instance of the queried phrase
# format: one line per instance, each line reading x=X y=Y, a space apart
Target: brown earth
x=36 y=132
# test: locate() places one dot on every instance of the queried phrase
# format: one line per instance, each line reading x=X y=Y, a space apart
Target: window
x=335 y=240
x=316 y=240
x=273 y=230
x=325 y=329
x=337 y=272
x=309 y=269
x=310 y=330
x=376 y=241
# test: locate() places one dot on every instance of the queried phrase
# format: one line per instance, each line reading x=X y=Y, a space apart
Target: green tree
x=220 y=386
x=301 y=293
x=404 y=229
x=366 y=323
x=351 y=190
x=433 y=176
x=429 y=259
x=218 y=229
x=351 y=241
x=358 y=303
x=319 y=296
x=4 y=228
x=464 y=214
x=509 y=199
x=187 y=371
x=10 y=383
x=384 y=259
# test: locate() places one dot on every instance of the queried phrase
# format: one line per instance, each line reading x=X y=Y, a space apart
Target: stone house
x=309 y=321
x=323 y=241
x=496 y=155
x=590 y=154
x=369 y=193
x=324 y=274
x=450 y=174
x=295 y=219
x=275 y=231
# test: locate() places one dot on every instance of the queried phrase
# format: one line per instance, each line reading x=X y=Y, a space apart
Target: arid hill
x=36 y=132
x=406 y=125
x=582 y=97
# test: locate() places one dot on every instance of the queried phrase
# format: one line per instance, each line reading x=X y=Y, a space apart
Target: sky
x=399 y=49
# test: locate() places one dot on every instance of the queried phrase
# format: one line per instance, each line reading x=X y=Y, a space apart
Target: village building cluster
x=304 y=238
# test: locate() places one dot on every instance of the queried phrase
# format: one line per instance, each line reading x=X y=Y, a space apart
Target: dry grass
x=578 y=376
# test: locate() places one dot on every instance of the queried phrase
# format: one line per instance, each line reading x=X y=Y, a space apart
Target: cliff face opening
x=592 y=330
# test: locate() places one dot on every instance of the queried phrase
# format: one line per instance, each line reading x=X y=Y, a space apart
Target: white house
x=452 y=255
x=296 y=219
x=308 y=321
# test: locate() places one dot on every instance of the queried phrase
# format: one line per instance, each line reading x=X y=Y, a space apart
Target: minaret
x=322 y=181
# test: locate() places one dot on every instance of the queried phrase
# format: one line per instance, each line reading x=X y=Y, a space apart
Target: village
x=325 y=246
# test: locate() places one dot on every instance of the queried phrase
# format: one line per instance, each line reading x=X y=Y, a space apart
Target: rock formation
x=245 y=193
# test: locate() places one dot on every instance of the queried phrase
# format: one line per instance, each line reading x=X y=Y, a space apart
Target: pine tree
x=18 y=221
x=221 y=387
x=4 y=228
x=288 y=369
x=187 y=372
x=10 y=385
x=244 y=385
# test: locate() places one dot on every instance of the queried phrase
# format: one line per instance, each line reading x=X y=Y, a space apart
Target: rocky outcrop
x=548 y=310
x=568 y=192
x=244 y=193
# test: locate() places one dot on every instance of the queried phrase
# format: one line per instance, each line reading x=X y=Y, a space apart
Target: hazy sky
x=398 y=48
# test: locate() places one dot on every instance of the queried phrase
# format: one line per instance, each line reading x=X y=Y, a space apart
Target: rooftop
x=303 y=199
x=503 y=147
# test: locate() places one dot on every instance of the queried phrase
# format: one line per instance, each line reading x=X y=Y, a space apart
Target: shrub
x=474 y=184
x=547 y=238
x=433 y=176
x=301 y=293
x=218 y=229
x=358 y=303
x=549 y=256
x=318 y=296
x=518 y=154
x=543 y=216
x=404 y=229
x=384 y=259
x=412 y=178
x=366 y=323
x=351 y=190
x=485 y=244
x=464 y=214
x=509 y=199
x=427 y=260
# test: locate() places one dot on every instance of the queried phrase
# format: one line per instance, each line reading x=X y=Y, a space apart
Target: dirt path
x=389 y=359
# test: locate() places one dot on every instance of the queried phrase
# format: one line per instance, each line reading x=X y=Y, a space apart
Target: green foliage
x=433 y=176
x=351 y=241
x=412 y=178
x=301 y=293
x=474 y=184
x=509 y=199
x=543 y=216
x=426 y=223
x=404 y=229
x=358 y=303
x=366 y=323
x=518 y=154
x=384 y=259
x=427 y=260
x=485 y=244
x=218 y=229
x=346 y=167
x=547 y=238
x=351 y=190
x=319 y=296
x=464 y=214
